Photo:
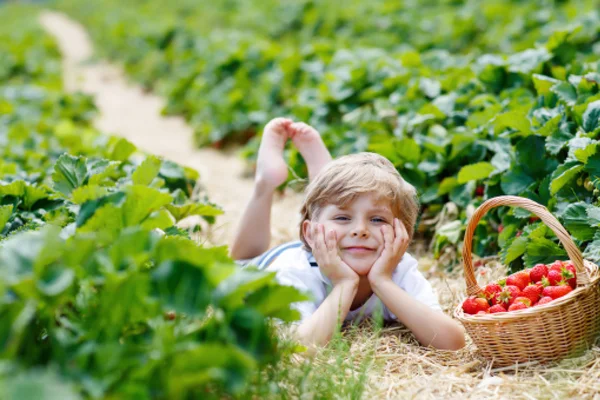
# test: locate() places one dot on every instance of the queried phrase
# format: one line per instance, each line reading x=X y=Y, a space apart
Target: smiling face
x=358 y=229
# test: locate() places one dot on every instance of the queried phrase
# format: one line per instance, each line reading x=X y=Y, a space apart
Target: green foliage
x=101 y=295
x=499 y=98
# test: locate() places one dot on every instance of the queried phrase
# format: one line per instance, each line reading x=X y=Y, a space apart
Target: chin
x=361 y=267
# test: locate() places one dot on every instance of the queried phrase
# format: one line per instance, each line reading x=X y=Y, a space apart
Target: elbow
x=455 y=339
x=456 y=342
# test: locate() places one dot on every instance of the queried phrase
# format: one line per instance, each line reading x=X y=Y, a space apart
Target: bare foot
x=271 y=169
x=310 y=145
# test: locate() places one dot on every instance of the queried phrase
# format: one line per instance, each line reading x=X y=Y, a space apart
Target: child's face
x=358 y=229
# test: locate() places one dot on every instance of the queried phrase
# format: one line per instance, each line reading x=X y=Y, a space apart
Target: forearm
x=319 y=328
x=254 y=232
x=429 y=327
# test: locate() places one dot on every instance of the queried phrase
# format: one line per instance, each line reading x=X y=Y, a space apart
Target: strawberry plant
x=102 y=295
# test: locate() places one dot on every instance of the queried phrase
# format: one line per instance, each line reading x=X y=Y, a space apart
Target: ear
x=307 y=233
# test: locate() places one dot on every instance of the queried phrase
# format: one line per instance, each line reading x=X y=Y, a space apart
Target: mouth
x=359 y=249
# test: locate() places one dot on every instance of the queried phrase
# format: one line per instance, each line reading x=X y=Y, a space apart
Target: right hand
x=325 y=250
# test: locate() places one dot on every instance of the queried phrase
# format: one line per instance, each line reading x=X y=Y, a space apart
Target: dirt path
x=126 y=111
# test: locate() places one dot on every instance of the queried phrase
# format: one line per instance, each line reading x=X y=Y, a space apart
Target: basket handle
x=473 y=288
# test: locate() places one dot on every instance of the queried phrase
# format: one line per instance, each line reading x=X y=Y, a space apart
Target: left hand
x=395 y=239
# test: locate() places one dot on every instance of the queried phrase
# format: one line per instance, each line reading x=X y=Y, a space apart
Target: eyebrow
x=374 y=209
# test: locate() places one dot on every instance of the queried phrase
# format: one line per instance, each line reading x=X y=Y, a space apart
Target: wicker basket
x=563 y=328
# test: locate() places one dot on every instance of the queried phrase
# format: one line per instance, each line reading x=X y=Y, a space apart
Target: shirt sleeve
x=408 y=277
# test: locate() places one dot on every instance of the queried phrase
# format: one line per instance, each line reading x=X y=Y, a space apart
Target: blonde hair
x=347 y=177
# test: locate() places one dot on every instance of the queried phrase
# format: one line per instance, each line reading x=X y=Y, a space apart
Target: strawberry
x=569 y=277
x=472 y=305
x=544 y=300
x=497 y=309
x=538 y=272
x=556 y=291
x=533 y=292
x=556 y=266
x=554 y=277
x=517 y=306
x=508 y=295
x=524 y=300
x=491 y=290
x=519 y=279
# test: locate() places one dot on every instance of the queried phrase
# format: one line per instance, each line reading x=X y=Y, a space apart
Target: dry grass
x=403 y=369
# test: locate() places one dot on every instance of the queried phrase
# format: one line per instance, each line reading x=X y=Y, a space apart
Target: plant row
x=102 y=295
x=468 y=100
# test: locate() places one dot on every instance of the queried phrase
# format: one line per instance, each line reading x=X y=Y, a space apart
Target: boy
x=352 y=255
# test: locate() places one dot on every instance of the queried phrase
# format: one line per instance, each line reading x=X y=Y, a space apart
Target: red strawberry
x=497 y=308
x=569 y=277
x=570 y=266
x=472 y=305
x=508 y=295
x=533 y=292
x=517 y=306
x=556 y=266
x=519 y=279
x=524 y=300
x=544 y=300
x=491 y=290
x=554 y=277
x=538 y=272
x=556 y=291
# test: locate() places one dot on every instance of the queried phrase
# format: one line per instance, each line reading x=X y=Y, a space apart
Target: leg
x=311 y=147
x=254 y=232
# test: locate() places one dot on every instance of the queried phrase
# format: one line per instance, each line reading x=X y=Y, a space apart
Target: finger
x=401 y=241
x=315 y=234
x=388 y=238
x=331 y=240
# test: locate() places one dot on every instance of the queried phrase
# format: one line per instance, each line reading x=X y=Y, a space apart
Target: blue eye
x=341 y=218
x=379 y=220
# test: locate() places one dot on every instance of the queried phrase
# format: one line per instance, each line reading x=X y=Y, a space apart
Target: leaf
x=275 y=301
x=5 y=214
x=542 y=250
x=140 y=202
x=591 y=116
x=159 y=219
x=565 y=92
x=40 y=384
x=576 y=221
x=515 y=119
x=528 y=61
x=515 y=181
x=69 y=173
x=592 y=166
x=122 y=150
x=514 y=250
x=564 y=174
x=182 y=287
x=146 y=171
x=180 y=212
x=89 y=207
x=476 y=171
x=231 y=292
x=55 y=280
x=451 y=231
x=543 y=83
x=107 y=222
x=87 y=193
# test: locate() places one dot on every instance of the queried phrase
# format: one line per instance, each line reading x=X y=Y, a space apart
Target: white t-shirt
x=297 y=267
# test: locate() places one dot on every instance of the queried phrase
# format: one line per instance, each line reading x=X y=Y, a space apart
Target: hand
x=325 y=250
x=395 y=240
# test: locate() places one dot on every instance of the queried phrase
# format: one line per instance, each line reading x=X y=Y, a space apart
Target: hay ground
x=393 y=364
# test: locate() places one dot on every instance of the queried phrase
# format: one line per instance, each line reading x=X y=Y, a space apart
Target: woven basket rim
x=509 y=316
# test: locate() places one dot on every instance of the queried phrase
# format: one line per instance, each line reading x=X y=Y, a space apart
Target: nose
x=359 y=230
